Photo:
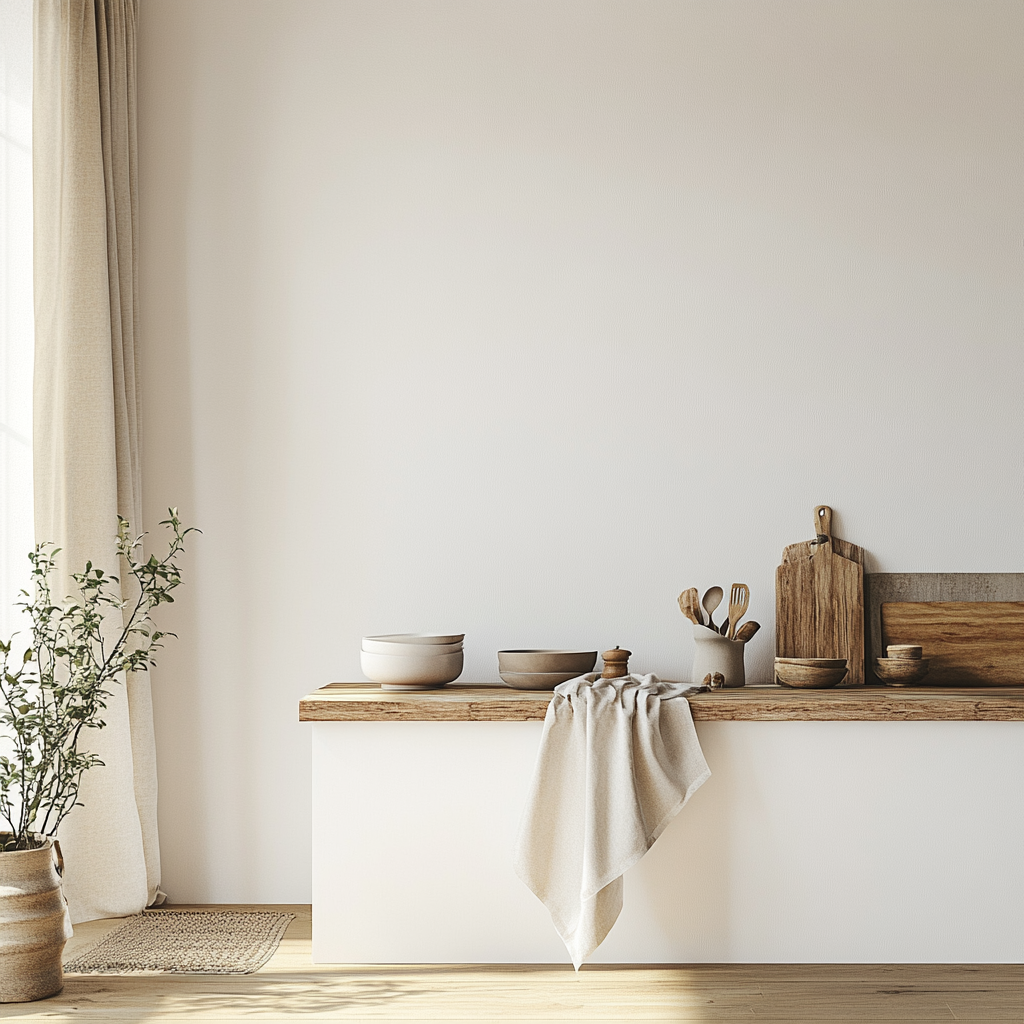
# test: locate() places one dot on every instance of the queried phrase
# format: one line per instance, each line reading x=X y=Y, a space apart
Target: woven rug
x=186 y=942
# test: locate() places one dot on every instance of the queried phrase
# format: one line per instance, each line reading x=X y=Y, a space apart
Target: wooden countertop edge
x=364 y=702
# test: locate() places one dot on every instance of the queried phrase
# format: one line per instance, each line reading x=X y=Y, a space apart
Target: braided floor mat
x=186 y=942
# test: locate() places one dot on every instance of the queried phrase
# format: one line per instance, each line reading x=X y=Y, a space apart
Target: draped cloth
x=86 y=403
x=618 y=760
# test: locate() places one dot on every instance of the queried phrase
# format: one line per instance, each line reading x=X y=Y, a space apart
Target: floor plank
x=291 y=988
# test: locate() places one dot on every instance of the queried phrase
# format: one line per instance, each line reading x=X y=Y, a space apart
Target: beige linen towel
x=618 y=760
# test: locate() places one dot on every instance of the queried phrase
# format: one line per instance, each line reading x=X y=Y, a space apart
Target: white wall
x=520 y=317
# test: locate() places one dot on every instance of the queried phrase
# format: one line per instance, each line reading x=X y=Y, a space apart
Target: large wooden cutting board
x=819 y=601
x=969 y=643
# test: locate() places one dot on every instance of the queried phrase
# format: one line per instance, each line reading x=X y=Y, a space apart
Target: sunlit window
x=16 y=317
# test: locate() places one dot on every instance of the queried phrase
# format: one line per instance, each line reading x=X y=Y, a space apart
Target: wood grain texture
x=975 y=643
x=822 y=523
x=883 y=587
x=290 y=987
x=364 y=702
x=819 y=599
x=805 y=548
x=860 y=704
x=819 y=610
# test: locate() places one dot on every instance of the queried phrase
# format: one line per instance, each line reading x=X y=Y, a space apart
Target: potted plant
x=51 y=695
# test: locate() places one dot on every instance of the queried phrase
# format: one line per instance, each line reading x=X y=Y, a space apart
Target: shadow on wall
x=168 y=457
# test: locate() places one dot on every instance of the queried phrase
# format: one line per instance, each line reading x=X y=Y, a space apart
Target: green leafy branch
x=58 y=688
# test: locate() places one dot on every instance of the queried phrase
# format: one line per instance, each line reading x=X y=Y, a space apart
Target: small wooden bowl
x=804 y=674
x=905 y=651
x=901 y=671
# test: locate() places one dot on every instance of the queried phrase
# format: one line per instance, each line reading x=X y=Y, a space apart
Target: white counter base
x=820 y=842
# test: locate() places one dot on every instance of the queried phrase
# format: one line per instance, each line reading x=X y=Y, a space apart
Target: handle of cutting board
x=823 y=523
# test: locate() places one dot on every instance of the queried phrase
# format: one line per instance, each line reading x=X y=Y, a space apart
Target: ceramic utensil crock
x=717 y=653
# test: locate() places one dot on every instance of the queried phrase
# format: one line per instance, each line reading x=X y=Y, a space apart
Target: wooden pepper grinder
x=616 y=664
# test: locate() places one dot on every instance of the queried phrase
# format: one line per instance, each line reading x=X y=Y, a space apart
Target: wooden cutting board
x=793 y=552
x=819 y=600
x=970 y=643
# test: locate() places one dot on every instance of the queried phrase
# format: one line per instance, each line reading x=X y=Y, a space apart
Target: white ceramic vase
x=717 y=653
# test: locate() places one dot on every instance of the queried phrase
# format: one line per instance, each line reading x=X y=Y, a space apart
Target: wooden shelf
x=366 y=702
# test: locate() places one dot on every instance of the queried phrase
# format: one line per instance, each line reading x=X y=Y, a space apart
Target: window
x=16 y=314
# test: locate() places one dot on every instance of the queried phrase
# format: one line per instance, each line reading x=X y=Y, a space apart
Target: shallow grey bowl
x=536 y=680
x=573 y=662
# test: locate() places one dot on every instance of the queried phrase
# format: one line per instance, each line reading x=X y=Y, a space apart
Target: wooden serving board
x=805 y=548
x=819 y=601
x=970 y=643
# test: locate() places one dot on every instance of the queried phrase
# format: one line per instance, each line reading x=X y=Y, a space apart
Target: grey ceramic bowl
x=574 y=662
x=536 y=680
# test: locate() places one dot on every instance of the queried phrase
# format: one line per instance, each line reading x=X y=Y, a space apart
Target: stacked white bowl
x=412 y=661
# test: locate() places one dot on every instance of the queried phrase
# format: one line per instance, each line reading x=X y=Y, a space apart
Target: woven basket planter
x=34 y=922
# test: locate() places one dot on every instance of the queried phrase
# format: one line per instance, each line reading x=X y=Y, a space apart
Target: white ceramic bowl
x=409 y=650
x=419 y=638
x=576 y=662
x=536 y=680
x=414 y=670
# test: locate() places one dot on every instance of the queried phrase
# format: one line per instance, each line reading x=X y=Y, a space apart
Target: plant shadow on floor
x=266 y=994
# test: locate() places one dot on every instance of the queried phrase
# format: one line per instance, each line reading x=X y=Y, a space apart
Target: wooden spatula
x=747 y=630
x=739 y=598
x=688 y=605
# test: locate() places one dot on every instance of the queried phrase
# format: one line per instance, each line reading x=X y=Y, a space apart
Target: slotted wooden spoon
x=739 y=599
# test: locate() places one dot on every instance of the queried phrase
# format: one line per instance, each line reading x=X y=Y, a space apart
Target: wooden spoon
x=747 y=630
x=695 y=608
x=688 y=606
x=712 y=599
x=739 y=599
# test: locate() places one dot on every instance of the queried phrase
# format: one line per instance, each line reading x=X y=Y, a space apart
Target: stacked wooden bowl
x=903 y=665
x=810 y=673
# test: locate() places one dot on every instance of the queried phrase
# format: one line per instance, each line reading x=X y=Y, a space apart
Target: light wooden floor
x=289 y=987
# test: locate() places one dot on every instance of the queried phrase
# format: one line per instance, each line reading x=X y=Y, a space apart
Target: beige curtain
x=86 y=406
